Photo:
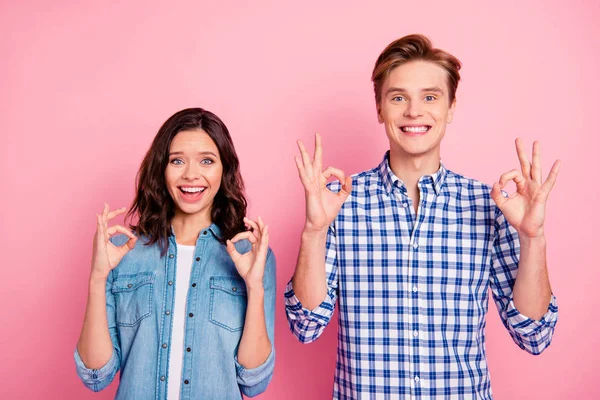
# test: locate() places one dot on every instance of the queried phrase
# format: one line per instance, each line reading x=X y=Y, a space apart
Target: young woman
x=182 y=304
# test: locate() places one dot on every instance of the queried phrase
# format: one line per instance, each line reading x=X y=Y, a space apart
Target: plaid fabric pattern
x=412 y=289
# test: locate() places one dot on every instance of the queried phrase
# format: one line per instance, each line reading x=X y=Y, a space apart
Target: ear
x=379 y=118
x=451 y=111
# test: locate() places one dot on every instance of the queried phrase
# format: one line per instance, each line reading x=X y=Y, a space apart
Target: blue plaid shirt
x=412 y=289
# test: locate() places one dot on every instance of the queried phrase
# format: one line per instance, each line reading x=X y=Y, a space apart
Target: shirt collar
x=389 y=179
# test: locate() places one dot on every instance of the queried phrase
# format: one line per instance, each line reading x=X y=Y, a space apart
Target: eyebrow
x=202 y=153
x=433 y=89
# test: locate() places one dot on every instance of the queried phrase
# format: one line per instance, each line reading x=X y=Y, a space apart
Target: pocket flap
x=129 y=283
x=229 y=284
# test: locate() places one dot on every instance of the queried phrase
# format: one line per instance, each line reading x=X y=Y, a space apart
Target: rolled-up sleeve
x=254 y=381
x=307 y=325
x=533 y=336
x=98 y=379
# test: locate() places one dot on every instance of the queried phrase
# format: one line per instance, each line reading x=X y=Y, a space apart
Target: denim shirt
x=140 y=295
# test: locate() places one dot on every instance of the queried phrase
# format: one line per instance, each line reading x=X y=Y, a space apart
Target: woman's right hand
x=106 y=256
x=322 y=205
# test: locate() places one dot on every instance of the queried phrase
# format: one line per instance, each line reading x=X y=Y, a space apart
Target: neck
x=410 y=168
x=187 y=227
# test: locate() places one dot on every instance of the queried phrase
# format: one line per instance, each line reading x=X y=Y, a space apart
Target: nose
x=191 y=172
x=413 y=109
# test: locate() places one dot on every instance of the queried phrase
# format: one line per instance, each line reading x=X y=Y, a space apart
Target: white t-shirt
x=185 y=259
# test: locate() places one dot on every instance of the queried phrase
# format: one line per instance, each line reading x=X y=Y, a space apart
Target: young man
x=409 y=249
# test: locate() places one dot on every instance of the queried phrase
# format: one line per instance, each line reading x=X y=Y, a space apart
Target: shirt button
x=191 y=315
x=234 y=289
x=415 y=289
x=417 y=379
x=204 y=233
x=171 y=256
x=164 y=345
x=193 y=285
x=415 y=245
x=186 y=381
x=404 y=205
x=170 y=283
x=415 y=333
x=162 y=378
x=188 y=349
x=197 y=258
x=129 y=285
x=168 y=312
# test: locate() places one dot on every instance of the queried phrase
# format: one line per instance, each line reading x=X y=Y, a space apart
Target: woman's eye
x=206 y=161
x=177 y=161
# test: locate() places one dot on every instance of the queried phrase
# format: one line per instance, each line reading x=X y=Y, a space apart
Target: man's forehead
x=417 y=76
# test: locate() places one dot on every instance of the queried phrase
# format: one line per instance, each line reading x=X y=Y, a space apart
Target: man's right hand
x=322 y=205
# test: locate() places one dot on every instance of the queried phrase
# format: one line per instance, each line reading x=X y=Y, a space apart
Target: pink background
x=86 y=86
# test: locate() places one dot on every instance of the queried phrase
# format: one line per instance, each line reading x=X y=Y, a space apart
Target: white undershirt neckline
x=184 y=262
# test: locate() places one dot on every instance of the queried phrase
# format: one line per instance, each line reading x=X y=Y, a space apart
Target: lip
x=415 y=129
x=191 y=197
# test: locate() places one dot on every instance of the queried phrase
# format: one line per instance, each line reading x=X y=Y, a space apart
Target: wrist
x=535 y=240
x=310 y=233
x=98 y=278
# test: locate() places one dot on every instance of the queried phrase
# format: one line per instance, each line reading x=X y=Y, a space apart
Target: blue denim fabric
x=140 y=294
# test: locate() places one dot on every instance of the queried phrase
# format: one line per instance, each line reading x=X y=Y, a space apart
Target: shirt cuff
x=525 y=326
x=296 y=311
x=97 y=379
x=254 y=376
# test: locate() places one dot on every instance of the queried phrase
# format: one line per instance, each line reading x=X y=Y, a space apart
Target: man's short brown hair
x=414 y=48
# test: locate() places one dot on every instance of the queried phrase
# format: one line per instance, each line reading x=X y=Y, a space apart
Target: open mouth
x=191 y=193
x=415 y=129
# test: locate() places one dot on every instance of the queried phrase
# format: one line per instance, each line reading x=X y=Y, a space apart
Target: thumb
x=497 y=195
x=346 y=188
x=232 y=251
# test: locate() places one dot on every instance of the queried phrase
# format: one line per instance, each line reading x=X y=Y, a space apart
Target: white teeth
x=193 y=189
x=414 y=129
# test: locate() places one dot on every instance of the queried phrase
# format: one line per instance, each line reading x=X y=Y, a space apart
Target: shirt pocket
x=228 y=302
x=133 y=297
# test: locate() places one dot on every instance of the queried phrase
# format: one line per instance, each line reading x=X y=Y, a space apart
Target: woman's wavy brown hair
x=153 y=204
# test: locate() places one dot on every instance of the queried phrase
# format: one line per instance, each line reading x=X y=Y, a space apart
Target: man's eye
x=429 y=98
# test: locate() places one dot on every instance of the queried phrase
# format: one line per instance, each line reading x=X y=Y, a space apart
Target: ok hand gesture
x=322 y=205
x=526 y=208
x=106 y=256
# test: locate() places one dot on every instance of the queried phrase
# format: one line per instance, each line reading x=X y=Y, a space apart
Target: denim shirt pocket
x=228 y=302
x=133 y=297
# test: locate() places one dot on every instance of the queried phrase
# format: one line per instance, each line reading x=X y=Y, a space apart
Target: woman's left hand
x=251 y=265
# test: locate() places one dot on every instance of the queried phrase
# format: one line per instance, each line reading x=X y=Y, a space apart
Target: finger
x=261 y=224
x=338 y=173
x=525 y=164
x=120 y=229
x=100 y=230
x=346 y=188
x=105 y=213
x=318 y=158
x=252 y=224
x=536 y=166
x=305 y=158
x=250 y=236
x=232 y=251
x=551 y=180
x=513 y=175
x=115 y=213
x=497 y=195
x=263 y=248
